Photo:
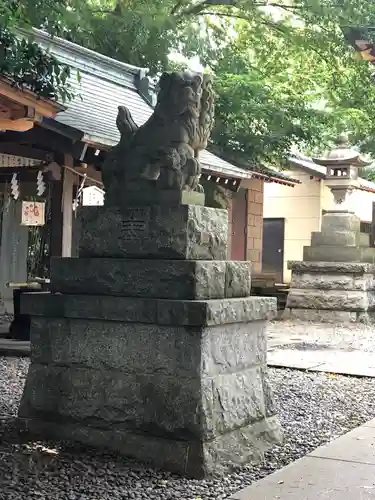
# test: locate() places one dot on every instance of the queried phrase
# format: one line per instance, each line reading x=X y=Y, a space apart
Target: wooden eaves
x=20 y=109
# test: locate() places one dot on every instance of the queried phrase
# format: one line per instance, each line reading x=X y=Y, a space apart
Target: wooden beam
x=91 y=172
x=46 y=139
x=227 y=182
x=24 y=112
x=16 y=138
x=20 y=125
x=50 y=140
x=92 y=159
x=45 y=107
x=62 y=129
x=40 y=139
x=25 y=152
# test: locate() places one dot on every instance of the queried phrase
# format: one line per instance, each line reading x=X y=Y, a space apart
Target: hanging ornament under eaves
x=40 y=184
x=15 y=187
x=79 y=193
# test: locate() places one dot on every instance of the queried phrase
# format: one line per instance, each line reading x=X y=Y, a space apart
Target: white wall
x=360 y=202
x=300 y=206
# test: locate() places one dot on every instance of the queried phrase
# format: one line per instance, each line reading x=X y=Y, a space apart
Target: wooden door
x=273 y=247
x=239 y=225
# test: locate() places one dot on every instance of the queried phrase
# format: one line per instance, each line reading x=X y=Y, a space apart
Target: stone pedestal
x=339 y=240
x=150 y=344
x=335 y=281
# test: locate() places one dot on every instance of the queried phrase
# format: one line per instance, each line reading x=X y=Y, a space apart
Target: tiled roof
x=219 y=165
x=365 y=185
x=306 y=163
x=104 y=84
x=272 y=175
x=261 y=171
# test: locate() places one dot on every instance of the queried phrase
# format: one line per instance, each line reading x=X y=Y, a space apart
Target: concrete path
x=337 y=349
x=342 y=470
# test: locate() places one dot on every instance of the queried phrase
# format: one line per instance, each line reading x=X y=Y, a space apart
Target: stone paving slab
x=355 y=363
x=342 y=368
x=341 y=349
x=344 y=469
x=371 y=423
x=288 y=358
x=358 y=444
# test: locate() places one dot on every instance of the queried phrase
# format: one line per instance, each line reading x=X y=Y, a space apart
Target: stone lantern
x=340 y=229
x=335 y=281
x=342 y=165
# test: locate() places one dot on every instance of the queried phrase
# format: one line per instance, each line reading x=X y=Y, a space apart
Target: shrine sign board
x=33 y=213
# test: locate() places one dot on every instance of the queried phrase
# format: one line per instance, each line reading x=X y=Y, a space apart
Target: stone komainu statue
x=166 y=148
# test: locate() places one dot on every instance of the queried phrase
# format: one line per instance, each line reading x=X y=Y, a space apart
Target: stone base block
x=340 y=300
x=164 y=279
x=332 y=281
x=192 y=399
x=337 y=253
x=145 y=348
x=340 y=221
x=335 y=238
x=364 y=239
x=188 y=458
x=154 y=311
x=321 y=315
x=331 y=292
x=331 y=267
x=327 y=316
x=156 y=231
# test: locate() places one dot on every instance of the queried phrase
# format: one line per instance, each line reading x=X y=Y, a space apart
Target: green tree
x=276 y=94
x=284 y=74
x=23 y=61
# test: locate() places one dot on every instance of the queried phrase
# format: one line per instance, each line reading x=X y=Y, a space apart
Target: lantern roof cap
x=343 y=154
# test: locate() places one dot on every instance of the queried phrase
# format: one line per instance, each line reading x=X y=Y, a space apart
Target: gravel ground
x=314 y=408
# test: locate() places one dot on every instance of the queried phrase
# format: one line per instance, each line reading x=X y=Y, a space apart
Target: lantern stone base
x=331 y=292
x=340 y=240
x=335 y=281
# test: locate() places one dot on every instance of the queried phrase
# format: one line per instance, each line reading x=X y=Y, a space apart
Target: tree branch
x=223 y=14
x=176 y=7
x=243 y=18
x=291 y=8
x=197 y=8
x=115 y=11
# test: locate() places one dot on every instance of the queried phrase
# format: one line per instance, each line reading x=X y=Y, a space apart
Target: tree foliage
x=285 y=76
x=26 y=65
x=22 y=61
x=276 y=95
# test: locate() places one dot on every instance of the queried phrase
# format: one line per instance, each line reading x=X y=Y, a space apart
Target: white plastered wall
x=300 y=206
x=360 y=202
